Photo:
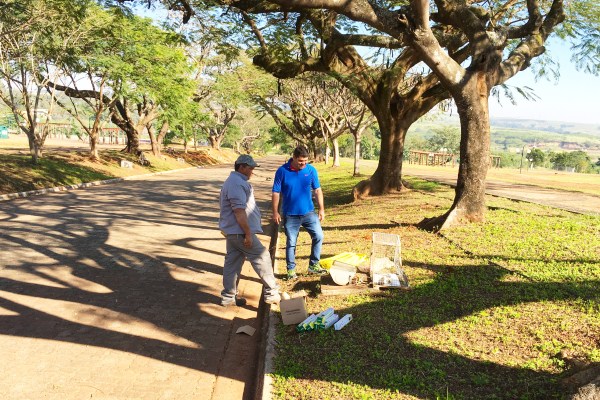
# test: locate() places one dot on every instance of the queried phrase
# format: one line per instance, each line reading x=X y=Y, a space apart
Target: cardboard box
x=293 y=310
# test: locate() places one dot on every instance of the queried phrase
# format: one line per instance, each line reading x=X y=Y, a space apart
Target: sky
x=575 y=97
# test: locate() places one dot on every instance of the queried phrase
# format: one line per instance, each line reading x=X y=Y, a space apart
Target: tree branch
x=533 y=46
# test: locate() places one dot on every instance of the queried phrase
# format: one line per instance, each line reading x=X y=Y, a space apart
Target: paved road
x=112 y=292
x=571 y=201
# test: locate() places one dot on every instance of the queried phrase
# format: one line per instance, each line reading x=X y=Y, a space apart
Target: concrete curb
x=266 y=350
x=12 y=196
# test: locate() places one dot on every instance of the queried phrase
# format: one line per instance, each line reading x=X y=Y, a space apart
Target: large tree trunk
x=388 y=175
x=469 y=200
x=336 y=153
x=35 y=147
x=133 y=141
x=94 y=136
x=153 y=142
x=317 y=149
x=133 y=138
x=357 y=139
x=164 y=129
x=215 y=142
x=121 y=116
x=36 y=141
x=93 y=147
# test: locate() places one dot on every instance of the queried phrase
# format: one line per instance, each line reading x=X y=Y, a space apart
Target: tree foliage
x=469 y=48
x=536 y=157
x=224 y=88
x=31 y=34
x=135 y=69
x=582 y=30
x=445 y=139
x=578 y=161
x=315 y=110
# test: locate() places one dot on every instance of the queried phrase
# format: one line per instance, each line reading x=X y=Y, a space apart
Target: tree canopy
x=31 y=34
x=400 y=59
x=421 y=53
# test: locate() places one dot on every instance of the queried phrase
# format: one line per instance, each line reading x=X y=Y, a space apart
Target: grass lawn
x=497 y=310
x=542 y=177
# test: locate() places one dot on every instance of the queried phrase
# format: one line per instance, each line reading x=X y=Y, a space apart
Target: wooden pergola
x=113 y=134
x=56 y=128
x=495 y=161
x=431 y=158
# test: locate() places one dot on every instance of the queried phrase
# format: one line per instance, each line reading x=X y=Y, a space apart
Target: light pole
x=522 y=154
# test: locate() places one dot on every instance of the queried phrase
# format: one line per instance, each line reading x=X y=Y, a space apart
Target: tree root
x=368 y=187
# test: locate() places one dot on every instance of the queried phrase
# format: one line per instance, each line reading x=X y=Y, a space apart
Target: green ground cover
x=494 y=307
x=20 y=175
x=73 y=166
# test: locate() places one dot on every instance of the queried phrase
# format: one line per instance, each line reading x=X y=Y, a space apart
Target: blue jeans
x=291 y=226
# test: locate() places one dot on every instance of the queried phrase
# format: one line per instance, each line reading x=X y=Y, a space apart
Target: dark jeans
x=291 y=225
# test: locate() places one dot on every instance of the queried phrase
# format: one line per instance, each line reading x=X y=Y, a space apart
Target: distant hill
x=547 y=126
x=508 y=134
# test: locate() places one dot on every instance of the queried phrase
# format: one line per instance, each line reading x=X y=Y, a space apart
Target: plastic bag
x=346 y=257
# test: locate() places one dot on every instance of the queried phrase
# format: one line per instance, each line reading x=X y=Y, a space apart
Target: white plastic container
x=341 y=272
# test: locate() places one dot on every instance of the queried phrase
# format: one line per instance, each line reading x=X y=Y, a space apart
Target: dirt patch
x=207 y=156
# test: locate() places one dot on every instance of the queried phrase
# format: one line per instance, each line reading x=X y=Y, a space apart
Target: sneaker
x=291 y=275
x=274 y=299
x=238 y=301
x=316 y=269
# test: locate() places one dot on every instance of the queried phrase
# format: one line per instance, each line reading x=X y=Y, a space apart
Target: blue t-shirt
x=296 y=187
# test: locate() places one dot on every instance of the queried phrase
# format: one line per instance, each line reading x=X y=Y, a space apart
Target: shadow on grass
x=333 y=198
x=422 y=185
x=376 y=349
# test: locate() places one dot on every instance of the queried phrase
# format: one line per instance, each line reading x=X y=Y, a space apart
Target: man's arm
x=242 y=220
x=275 y=207
x=321 y=203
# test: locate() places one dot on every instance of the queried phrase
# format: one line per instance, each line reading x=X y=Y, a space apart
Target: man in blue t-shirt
x=293 y=186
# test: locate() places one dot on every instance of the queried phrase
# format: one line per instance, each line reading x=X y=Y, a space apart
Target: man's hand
x=275 y=207
x=277 y=218
x=321 y=215
x=321 y=203
x=242 y=220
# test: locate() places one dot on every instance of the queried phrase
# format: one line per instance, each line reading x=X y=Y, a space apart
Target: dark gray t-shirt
x=236 y=193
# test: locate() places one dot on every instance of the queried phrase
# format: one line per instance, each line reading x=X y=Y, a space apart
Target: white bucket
x=342 y=273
